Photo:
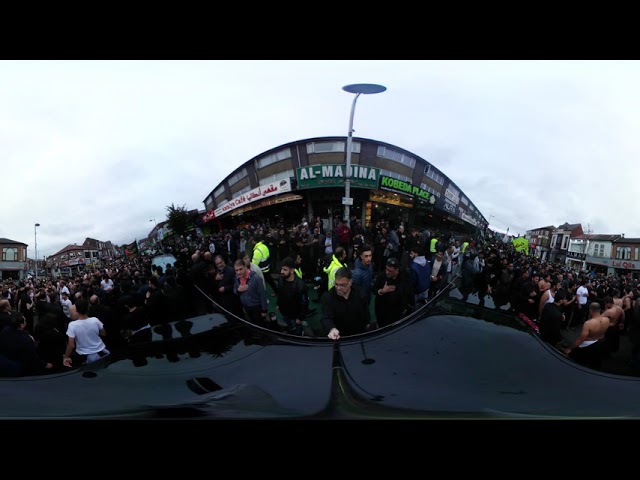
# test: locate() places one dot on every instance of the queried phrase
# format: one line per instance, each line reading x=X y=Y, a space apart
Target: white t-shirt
x=87 y=335
x=64 y=289
x=583 y=294
x=66 y=305
x=107 y=285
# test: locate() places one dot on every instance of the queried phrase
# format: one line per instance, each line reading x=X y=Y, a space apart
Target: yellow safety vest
x=261 y=256
x=434 y=242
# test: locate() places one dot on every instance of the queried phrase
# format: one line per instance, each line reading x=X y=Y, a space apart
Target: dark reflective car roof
x=448 y=360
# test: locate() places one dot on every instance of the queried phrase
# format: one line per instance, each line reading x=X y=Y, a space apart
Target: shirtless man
x=615 y=313
x=587 y=348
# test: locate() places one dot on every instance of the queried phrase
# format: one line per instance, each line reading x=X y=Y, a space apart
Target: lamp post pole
x=358 y=89
x=35 y=246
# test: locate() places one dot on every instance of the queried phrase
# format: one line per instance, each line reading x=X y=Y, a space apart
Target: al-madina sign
x=315 y=176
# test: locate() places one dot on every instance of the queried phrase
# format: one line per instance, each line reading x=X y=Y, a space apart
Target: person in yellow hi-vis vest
x=433 y=246
x=465 y=244
x=261 y=258
x=338 y=260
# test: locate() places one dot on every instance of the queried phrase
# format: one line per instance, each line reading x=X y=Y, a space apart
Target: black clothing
x=293 y=300
x=112 y=325
x=227 y=299
x=392 y=306
x=5 y=318
x=590 y=356
x=26 y=308
x=467 y=276
x=51 y=345
x=349 y=316
x=524 y=306
x=18 y=346
x=135 y=319
x=156 y=305
x=43 y=308
x=550 y=324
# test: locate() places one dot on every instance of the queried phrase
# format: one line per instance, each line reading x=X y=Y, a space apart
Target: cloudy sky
x=100 y=148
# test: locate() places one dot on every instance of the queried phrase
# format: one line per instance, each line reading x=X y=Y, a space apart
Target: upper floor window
x=278 y=176
x=328 y=147
x=237 y=177
x=219 y=191
x=397 y=157
x=10 y=254
x=273 y=158
x=623 y=253
x=431 y=172
x=565 y=242
x=395 y=175
x=601 y=250
x=242 y=190
x=426 y=187
x=464 y=200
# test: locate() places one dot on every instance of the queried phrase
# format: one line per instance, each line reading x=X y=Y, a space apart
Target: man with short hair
x=587 y=348
x=261 y=258
x=616 y=317
x=582 y=297
x=224 y=278
x=345 y=310
x=84 y=334
x=362 y=274
x=394 y=295
x=338 y=260
x=293 y=301
x=252 y=293
x=5 y=313
x=551 y=319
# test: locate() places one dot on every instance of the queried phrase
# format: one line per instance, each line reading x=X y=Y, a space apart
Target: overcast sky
x=99 y=148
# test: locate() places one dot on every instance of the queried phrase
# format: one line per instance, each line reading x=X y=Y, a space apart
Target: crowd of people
x=361 y=278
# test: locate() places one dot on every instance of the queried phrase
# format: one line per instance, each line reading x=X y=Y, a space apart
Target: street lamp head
x=364 y=88
x=37 y=225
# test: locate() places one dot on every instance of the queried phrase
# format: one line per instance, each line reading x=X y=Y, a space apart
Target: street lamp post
x=35 y=246
x=358 y=89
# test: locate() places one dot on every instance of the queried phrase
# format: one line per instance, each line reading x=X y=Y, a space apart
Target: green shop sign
x=396 y=185
x=333 y=176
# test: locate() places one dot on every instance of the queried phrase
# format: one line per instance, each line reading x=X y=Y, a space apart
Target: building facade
x=540 y=241
x=560 y=238
x=14 y=262
x=306 y=178
x=76 y=258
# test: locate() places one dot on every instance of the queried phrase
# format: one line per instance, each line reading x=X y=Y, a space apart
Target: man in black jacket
x=345 y=310
x=393 y=294
x=293 y=299
x=551 y=319
x=225 y=277
x=18 y=350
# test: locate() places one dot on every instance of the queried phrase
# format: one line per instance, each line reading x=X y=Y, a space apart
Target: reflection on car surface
x=164 y=260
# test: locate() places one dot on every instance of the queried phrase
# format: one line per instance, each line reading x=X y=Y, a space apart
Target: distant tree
x=178 y=219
